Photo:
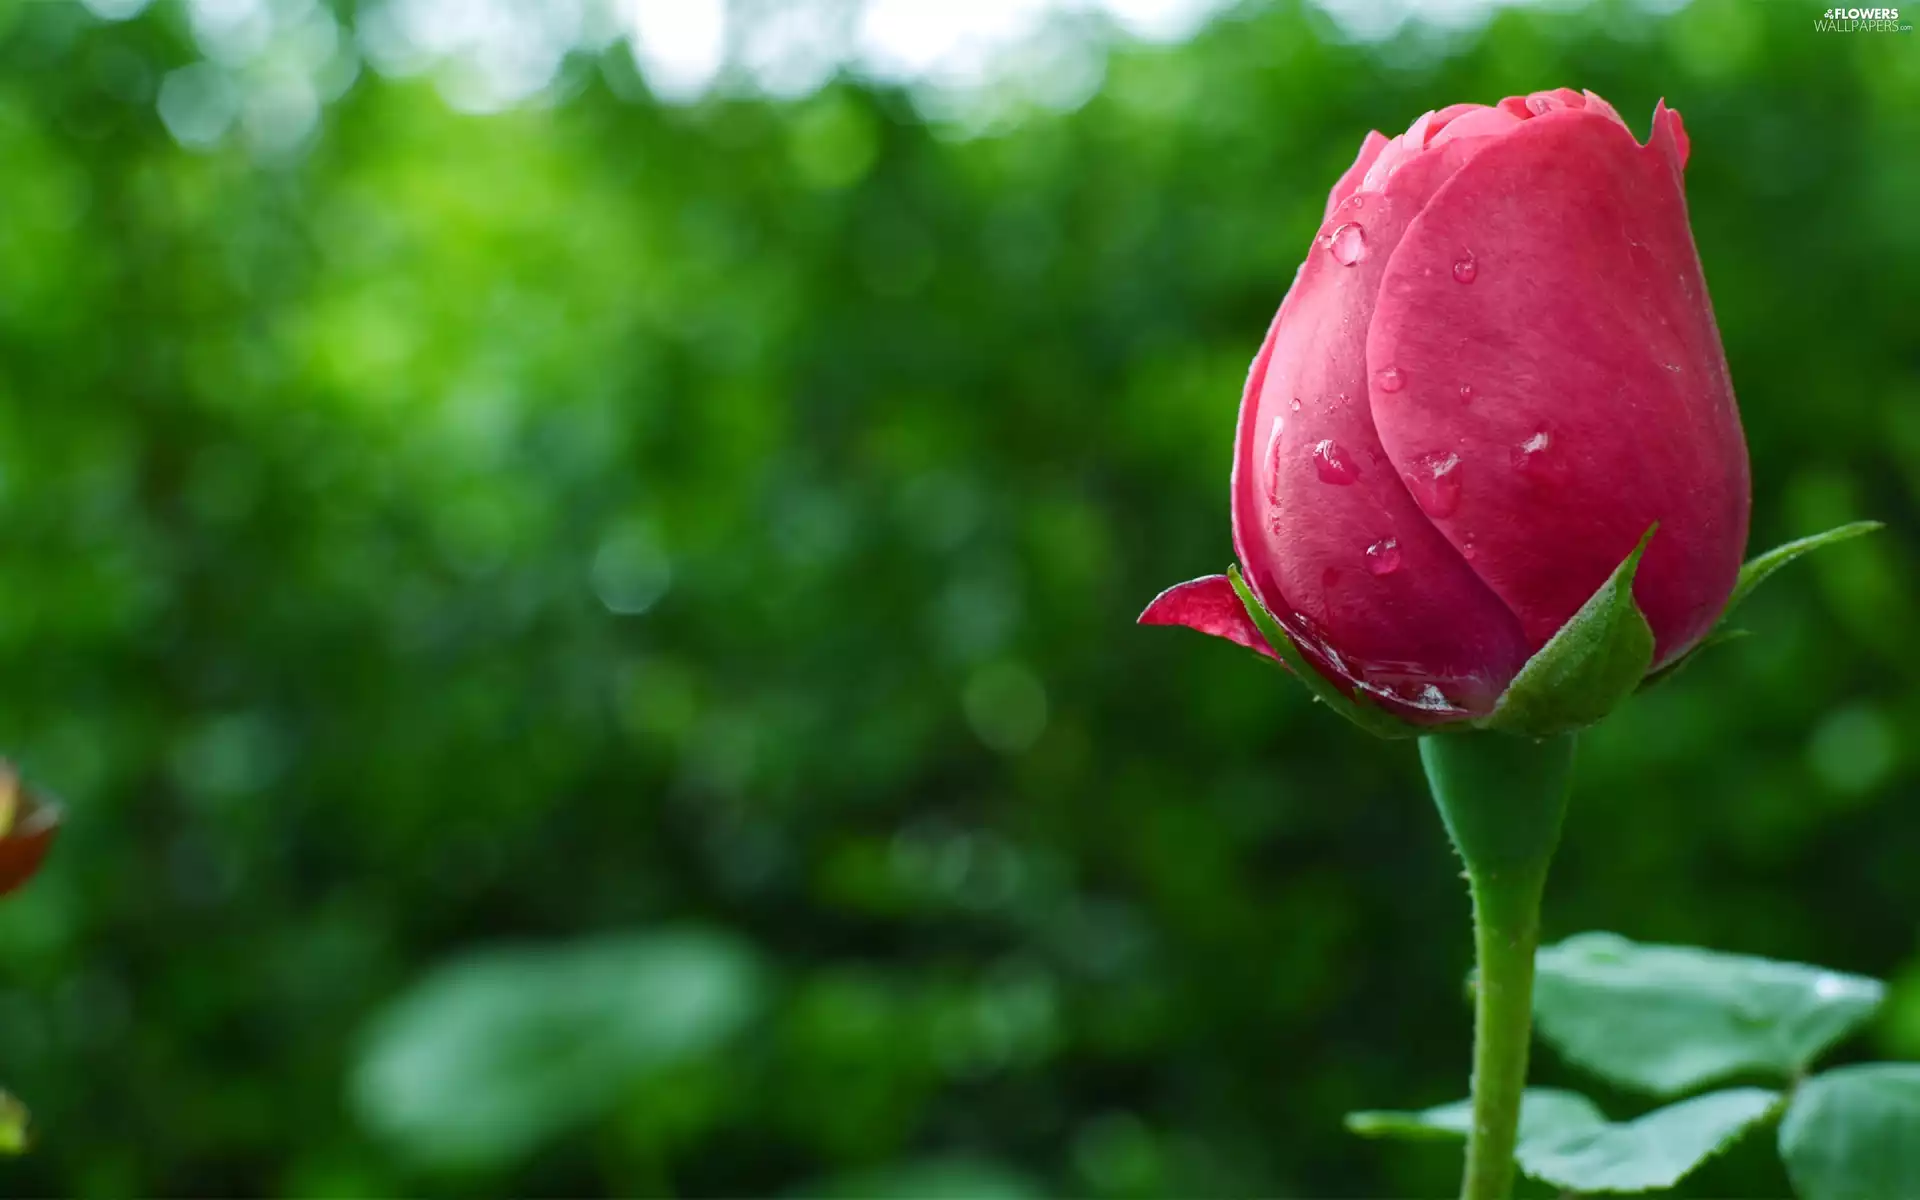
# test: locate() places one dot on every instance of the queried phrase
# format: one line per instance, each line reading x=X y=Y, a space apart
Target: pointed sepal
x=1752 y=575
x=1355 y=708
x=1584 y=671
x=1760 y=569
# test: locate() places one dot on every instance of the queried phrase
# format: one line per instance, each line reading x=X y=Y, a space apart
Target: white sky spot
x=792 y=50
x=491 y=54
x=115 y=10
x=680 y=45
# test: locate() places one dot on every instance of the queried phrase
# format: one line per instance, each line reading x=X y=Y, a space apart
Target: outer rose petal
x=1210 y=605
x=1370 y=148
x=1327 y=534
x=1481 y=122
x=1669 y=136
x=1596 y=104
x=1600 y=398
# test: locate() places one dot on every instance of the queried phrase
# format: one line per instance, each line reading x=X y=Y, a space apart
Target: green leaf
x=1760 y=569
x=1854 y=1134
x=1583 y=673
x=1667 y=1019
x=1546 y=1114
x=1653 y=1151
x=490 y=1056
x=1369 y=717
x=1568 y=1142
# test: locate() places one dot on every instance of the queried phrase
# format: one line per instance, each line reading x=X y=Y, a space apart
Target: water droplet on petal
x=1295 y=406
x=1527 y=455
x=1273 y=461
x=1390 y=379
x=1435 y=483
x=1466 y=393
x=1383 y=557
x=1465 y=269
x=1333 y=465
x=1432 y=699
x=1674 y=367
x=1347 y=244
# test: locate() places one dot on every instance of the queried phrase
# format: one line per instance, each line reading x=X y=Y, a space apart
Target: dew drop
x=1333 y=465
x=1295 y=406
x=1390 y=379
x=1431 y=699
x=1383 y=557
x=1347 y=244
x=1674 y=367
x=1526 y=456
x=1435 y=483
x=1273 y=461
x=1465 y=270
x=1466 y=393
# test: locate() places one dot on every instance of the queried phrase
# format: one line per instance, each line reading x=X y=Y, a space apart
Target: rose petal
x=1370 y=148
x=1601 y=398
x=1210 y=605
x=1315 y=493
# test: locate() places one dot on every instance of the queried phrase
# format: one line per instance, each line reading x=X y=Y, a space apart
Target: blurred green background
x=581 y=603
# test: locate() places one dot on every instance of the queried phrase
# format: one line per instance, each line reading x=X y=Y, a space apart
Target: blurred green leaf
x=1649 y=1152
x=1546 y=1114
x=1565 y=1140
x=489 y=1056
x=1853 y=1133
x=1667 y=1019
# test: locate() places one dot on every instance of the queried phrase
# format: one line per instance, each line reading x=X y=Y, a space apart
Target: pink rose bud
x=1496 y=370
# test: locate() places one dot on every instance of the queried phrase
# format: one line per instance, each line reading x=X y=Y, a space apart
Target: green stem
x=1502 y=799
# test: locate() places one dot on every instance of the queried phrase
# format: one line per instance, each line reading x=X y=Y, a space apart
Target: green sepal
x=1755 y=573
x=1760 y=569
x=1712 y=639
x=1355 y=708
x=1584 y=671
